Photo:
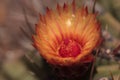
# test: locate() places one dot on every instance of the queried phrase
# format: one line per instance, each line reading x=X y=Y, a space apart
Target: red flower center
x=69 y=48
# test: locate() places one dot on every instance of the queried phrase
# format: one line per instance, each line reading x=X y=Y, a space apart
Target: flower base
x=75 y=72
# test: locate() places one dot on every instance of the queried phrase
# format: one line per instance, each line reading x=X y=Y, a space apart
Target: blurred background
x=18 y=58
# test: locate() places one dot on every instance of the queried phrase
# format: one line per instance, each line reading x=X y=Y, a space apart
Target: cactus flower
x=67 y=35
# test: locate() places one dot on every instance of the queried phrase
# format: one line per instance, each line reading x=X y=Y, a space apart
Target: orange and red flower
x=67 y=35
